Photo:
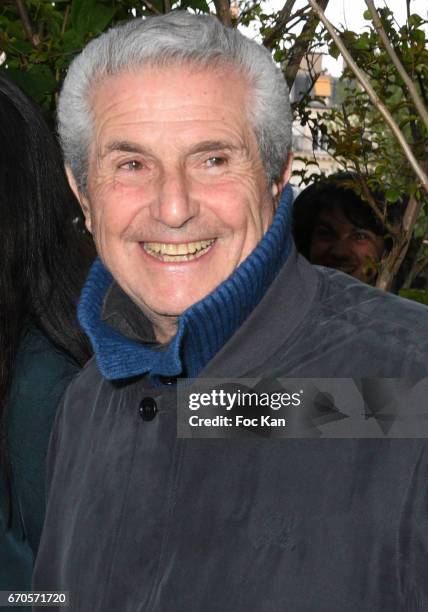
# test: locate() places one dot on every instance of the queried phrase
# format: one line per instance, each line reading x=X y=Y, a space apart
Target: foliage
x=356 y=136
x=417 y=295
x=38 y=61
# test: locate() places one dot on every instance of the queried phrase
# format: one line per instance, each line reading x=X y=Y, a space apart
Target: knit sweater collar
x=203 y=328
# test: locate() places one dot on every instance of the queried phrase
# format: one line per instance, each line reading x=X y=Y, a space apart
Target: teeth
x=177 y=252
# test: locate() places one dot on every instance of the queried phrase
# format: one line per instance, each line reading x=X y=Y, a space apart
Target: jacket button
x=148 y=409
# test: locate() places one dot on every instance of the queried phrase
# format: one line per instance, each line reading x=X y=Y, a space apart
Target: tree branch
x=281 y=22
x=398 y=253
x=396 y=61
x=295 y=18
x=365 y=83
x=151 y=7
x=301 y=46
x=418 y=266
x=65 y=20
x=408 y=9
x=222 y=9
x=23 y=13
x=364 y=186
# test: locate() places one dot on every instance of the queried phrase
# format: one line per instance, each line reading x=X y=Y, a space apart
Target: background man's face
x=177 y=194
x=338 y=243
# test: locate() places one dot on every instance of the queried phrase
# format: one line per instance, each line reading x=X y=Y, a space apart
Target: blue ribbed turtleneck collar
x=203 y=328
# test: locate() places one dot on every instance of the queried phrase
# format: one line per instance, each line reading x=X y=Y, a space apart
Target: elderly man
x=176 y=135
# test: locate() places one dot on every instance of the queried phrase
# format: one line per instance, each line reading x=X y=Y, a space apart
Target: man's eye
x=361 y=235
x=132 y=165
x=213 y=162
x=323 y=232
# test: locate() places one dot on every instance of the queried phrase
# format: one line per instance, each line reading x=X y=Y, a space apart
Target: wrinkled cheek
x=103 y=233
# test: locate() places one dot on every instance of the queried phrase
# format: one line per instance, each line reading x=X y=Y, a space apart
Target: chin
x=175 y=303
x=171 y=307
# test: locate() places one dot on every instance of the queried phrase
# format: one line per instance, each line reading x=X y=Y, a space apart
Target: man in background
x=334 y=227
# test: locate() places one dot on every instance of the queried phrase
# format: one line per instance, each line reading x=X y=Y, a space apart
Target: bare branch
x=408 y=10
x=151 y=7
x=32 y=37
x=65 y=20
x=365 y=83
x=420 y=262
x=364 y=186
x=295 y=19
x=302 y=45
x=222 y=9
x=422 y=88
x=418 y=266
x=396 y=257
x=396 y=61
x=247 y=11
x=281 y=22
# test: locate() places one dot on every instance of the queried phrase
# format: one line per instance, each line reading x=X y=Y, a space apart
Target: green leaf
x=415 y=20
x=392 y=195
x=90 y=17
x=367 y=16
x=419 y=36
x=23 y=46
x=197 y=5
x=72 y=41
x=418 y=295
x=333 y=51
x=37 y=82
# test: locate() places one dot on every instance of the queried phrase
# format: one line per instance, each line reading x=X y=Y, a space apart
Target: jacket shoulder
x=353 y=330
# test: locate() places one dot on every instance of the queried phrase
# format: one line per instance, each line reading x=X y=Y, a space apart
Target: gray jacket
x=139 y=520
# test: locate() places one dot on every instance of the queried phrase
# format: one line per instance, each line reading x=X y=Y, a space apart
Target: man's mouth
x=170 y=252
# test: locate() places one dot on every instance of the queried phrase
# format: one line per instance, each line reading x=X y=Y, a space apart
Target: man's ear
x=278 y=185
x=83 y=200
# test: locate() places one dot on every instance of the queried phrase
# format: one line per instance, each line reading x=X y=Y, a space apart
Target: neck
x=164 y=326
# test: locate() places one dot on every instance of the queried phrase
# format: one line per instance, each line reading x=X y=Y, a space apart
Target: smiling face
x=338 y=243
x=177 y=193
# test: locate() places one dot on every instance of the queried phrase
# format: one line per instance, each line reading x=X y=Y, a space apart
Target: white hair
x=175 y=37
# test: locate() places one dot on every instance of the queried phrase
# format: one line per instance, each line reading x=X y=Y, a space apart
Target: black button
x=148 y=409
x=167 y=380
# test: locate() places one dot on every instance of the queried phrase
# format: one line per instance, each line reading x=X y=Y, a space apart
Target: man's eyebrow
x=123 y=146
x=325 y=224
x=212 y=145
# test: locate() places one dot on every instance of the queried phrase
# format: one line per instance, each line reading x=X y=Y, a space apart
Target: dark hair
x=44 y=255
x=336 y=191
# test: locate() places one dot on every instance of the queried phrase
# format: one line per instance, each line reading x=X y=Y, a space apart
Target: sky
x=349 y=13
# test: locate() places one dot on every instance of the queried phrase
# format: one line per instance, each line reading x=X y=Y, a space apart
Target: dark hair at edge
x=44 y=256
x=336 y=191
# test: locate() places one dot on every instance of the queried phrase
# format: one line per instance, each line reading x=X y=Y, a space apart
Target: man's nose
x=174 y=204
x=340 y=248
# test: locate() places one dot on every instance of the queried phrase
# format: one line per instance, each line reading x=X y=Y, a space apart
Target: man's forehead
x=161 y=89
x=334 y=215
x=150 y=105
